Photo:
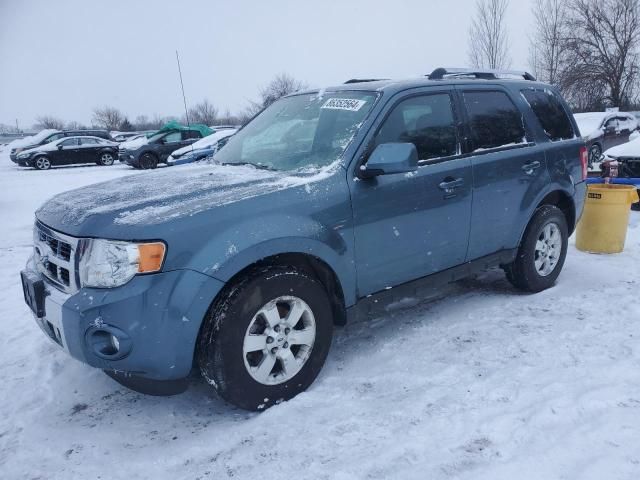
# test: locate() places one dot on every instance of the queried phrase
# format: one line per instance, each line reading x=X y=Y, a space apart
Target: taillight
x=584 y=159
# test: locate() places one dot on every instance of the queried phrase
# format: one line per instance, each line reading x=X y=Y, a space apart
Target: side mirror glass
x=389 y=158
x=59 y=147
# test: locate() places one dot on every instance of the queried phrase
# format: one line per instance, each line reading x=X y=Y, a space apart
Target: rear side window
x=550 y=113
x=187 y=134
x=494 y=120
x=88 y=141
x=427 y=122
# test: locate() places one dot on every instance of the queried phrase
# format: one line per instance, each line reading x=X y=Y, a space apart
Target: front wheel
x=148 y=160
x=267 y=338
x=106 y=159
x=42 y=163
x=542 y=251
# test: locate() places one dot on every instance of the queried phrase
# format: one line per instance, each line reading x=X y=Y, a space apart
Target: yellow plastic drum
x=603 y=226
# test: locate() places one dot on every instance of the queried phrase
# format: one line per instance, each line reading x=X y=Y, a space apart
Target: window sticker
x=351 y=104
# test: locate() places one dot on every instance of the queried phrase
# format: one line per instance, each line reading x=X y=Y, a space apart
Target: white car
x=202 y=148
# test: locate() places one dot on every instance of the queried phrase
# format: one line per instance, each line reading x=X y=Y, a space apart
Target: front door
x=411 y=225
x=509 y=169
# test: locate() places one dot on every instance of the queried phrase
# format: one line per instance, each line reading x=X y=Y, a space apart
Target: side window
x=173 y=137
x=611 y=124
x=72 y=142
x=188 y=134
x=550 y=113
x=88 y=141
x=54 y=137
x=426 y=121
x=494 y=120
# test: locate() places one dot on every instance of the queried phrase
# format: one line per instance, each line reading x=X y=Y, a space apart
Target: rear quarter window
x=552 y=116
x=494 y=120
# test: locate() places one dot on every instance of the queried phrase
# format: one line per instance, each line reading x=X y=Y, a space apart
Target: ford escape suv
x=325 y=206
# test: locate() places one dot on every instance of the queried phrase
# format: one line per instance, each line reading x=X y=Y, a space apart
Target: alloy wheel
x=548 y=249
x=279 y=340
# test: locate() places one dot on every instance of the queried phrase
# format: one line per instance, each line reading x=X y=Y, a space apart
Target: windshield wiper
x=255 y=165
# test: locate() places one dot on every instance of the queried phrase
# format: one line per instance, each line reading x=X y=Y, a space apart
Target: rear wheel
x=267 y=338
x=106 y=159
x=542 y=251
x=42 y=163
x=148 y=160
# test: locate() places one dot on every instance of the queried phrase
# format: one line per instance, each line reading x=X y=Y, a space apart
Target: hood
x=630 y=149
x=133 y=144
x=112 y=208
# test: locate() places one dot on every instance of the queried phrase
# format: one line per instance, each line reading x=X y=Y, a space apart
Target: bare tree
x=488 y=39
x=283 y=84
x=203 y=112
x=603 y=41
x=74 y=125
x=107 y=117
x=548 y=51
x=49 y=121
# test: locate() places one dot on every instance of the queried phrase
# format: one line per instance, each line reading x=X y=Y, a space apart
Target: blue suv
x=328 y=205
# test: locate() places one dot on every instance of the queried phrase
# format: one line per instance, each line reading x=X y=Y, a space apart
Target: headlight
x=25 y=155
x=108 y=263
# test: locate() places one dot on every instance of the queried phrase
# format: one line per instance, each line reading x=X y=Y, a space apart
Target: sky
x=66 y=57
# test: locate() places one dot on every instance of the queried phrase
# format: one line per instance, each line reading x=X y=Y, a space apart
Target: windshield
x=157 y=136
x=300 y=131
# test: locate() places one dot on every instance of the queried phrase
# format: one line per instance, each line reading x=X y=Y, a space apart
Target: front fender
x=234 y=249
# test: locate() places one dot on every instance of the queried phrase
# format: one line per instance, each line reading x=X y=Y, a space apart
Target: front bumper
x=156 y=319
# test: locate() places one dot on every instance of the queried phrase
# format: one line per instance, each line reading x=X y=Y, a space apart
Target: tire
x=594 y=154
x=148 y=161
x=42 y=163
x=541 y=254
x=231 y=351
x=106 y=159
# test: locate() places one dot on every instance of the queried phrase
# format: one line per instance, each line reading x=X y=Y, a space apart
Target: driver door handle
x=530 y=167
x=449 y=184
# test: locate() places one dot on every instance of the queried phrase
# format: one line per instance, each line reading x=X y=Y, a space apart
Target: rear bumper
x=156 y=319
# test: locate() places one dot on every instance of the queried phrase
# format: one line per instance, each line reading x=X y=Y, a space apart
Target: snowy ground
x=484 y=384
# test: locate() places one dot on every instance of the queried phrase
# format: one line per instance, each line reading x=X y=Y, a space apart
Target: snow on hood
x=589 y=123
x=32 y=139
x=155 y=197
x=629 y=149
x=134 y=144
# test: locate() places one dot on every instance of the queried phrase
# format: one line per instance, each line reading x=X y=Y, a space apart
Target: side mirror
x=390 y=158
x=59 y=147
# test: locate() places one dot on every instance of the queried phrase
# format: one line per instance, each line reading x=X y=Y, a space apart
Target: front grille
x=54 y=255
x=59 y=248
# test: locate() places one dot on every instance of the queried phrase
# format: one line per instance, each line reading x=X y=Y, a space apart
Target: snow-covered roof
x=629 y=149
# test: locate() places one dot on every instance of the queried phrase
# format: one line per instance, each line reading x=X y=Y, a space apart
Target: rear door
x=412 y=225
x=88 y=150
x=508 y=168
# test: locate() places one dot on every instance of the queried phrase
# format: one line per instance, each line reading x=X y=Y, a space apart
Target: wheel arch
x=310 y=263
x=564 y=201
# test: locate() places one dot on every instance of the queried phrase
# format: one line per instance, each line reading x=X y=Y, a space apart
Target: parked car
x=603 y=130
x=241 y=268
x=47 y=136
x=201 y=149
x=157 y=148
x=124 y=136
x=69 y=151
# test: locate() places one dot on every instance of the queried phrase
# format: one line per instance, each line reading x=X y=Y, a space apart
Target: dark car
x=158 y=147
x=603 y=130
x=242 y=267
x=48 y=136
x=68 y=151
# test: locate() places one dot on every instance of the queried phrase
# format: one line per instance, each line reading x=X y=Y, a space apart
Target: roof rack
x=441 y=73
x=362 y=80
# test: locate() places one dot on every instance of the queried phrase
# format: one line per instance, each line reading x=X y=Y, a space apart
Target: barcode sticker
x=350 y=104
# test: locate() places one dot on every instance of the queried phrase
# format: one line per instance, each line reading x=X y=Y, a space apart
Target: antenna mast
x=184 y=98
